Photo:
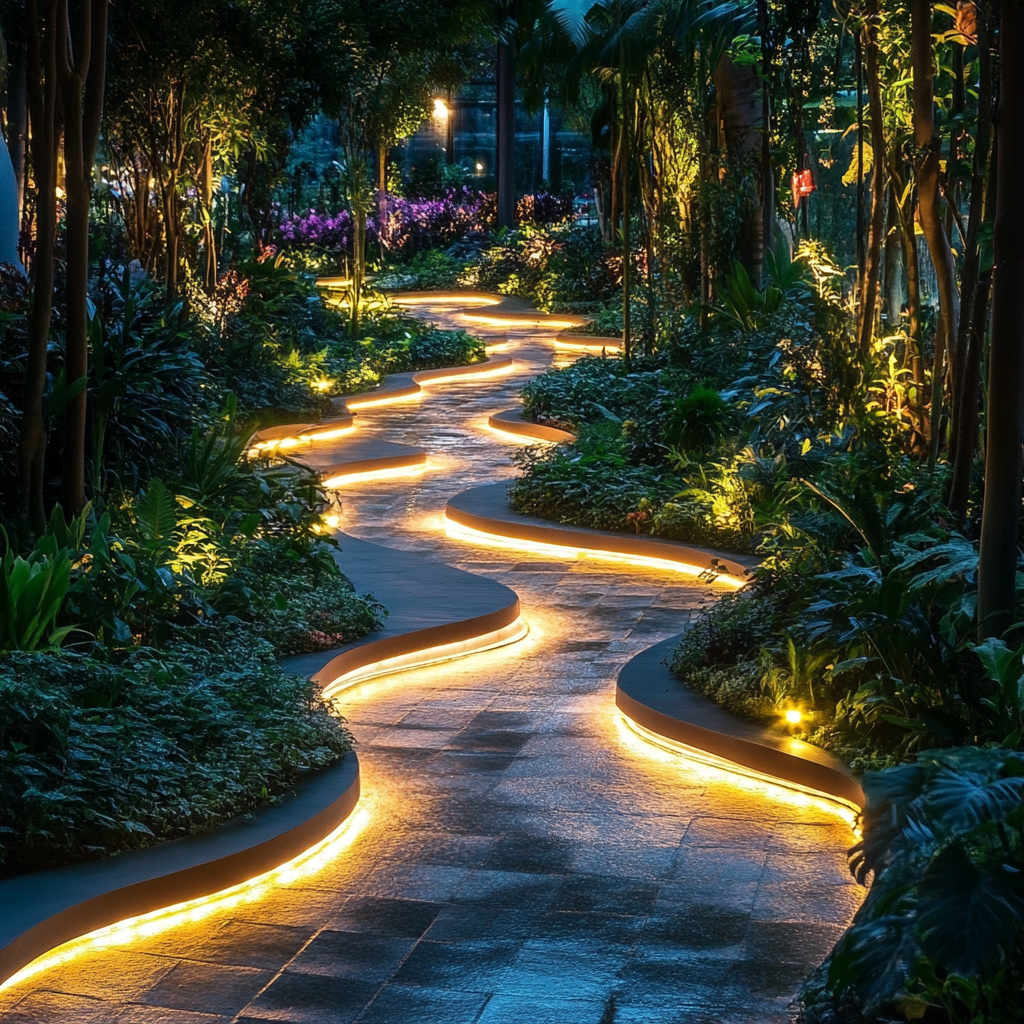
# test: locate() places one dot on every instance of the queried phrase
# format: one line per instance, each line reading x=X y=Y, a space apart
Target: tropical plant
x=941 y=926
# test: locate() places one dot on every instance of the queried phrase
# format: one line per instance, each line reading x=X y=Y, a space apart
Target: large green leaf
x=967 y=916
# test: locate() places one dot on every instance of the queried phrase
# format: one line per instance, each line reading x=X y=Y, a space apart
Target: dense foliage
x=105 y=753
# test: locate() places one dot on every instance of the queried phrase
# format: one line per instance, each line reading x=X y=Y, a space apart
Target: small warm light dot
x=479 y=166
x=794 y=717
x=440 y=110
x=323 y=384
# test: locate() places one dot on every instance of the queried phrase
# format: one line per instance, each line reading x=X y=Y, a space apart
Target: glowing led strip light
x=508 y=435
x=474 y=536
x=472 y=375
x=711 y=768
x=344 y=479
x=444 y=299
x=293 y=441
x=611 y=345
x=308 y=862
x=497 y=320
x=366 y=403
x=509 y=634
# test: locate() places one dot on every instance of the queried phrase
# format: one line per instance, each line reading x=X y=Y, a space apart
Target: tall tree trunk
x=892 y=264
x=449 y=133
x=42 y=99
x=382 y=191
x=975 y=286
x=627 y=247
x=903 y=197
x=767 y=173
x=81 y=70
x=506 y=117
x=872 y=261
x=737 y=89
x=997 y=564
x=858 y=50
x=927 y=174
x=209 y=239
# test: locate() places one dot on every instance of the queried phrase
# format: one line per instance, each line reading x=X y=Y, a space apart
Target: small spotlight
x=440 y=109
x=479 y=166
x=794 y=717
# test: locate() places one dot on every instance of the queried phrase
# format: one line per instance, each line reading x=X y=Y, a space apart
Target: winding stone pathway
x=526 y=862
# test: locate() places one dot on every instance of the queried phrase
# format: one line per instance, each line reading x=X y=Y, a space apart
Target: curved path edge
x=436 y=613
x=45 y=910
x=650 y=695
x=511 y=421
x=486 y=510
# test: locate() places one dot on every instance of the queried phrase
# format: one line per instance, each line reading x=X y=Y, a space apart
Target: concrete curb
x=511 y=422
x=485 y=509
x=44 y=910
x=650 y=695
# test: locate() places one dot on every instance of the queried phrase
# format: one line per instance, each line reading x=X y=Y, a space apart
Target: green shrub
x=700 y=420
x=101 y=754
x=941 y=932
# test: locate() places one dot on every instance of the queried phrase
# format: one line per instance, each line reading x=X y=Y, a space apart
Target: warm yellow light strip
x=710 y=768
x=509 y=634
x=294 y=441
x=474 y=536
x=497 y=320
x=443 y=299
x=391 y=472
x=611 y=345
x=494 y=371
x=146 y=925
x=366 y=403
x=508 y=435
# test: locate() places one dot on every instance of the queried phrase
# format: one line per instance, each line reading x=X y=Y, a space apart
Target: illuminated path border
x=482 y=514
x=652 y=697
x=98 y=903
x=511 y=422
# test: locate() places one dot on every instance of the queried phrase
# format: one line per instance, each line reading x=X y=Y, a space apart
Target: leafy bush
x=589 y=484
x=555 y=268
x=101 y=754
x=700 y=420
x=941 y=932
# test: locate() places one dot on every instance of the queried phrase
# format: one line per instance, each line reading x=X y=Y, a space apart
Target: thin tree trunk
x=869 y=289
x=506 y=117
x=449 y=133
x=965 y=411
x=967 y=421
x=382 y=190
x=858 y=50
x=42 y=99
x=767 y=174
x=997 y=564
x=927 y=174
x=208 y=236
x=81 y=72
x=912 y=279
x=892 y=264
x=627 y=248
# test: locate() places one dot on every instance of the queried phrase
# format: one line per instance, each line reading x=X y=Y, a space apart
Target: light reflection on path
x=524 y=862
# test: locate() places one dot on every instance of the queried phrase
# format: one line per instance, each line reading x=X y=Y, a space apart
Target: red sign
x=803 y=186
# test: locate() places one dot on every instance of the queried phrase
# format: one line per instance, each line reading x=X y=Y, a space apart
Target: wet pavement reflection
x=524 y=862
